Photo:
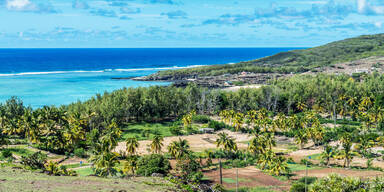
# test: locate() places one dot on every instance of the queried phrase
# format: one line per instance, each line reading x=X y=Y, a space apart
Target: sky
x=185 y=23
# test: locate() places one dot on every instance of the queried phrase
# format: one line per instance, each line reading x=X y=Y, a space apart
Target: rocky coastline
x=221 y=81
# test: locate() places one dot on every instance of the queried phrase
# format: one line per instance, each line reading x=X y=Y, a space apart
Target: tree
x=131 y=164
x=132 y=144
x=154 y=163
x=346 y=153
x=157 y=144
x=105 y=163
x=227 y=143
x=328 y=153
x=178 y=149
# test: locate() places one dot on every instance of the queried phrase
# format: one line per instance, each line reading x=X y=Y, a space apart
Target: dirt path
x=236 y=88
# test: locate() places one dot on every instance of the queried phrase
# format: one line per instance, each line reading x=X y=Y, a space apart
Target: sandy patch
x=198 y=142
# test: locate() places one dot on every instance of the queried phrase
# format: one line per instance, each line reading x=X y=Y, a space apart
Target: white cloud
x=361 y=6
x=19 y=4
x=378 y=24
x=364 y=7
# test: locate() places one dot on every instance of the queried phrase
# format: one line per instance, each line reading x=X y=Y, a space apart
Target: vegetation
x=295 y=107
x=296 y=61
x=339 y=183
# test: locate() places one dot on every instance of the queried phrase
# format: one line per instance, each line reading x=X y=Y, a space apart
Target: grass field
x=145 y=131
x=16 y=180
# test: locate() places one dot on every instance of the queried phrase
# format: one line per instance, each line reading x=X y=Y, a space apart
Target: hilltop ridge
x=339 y=56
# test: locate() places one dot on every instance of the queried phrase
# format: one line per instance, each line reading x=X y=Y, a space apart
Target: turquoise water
x=58 y=89
x=61 y=76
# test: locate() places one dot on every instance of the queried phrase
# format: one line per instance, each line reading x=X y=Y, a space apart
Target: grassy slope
x=297 y=60
x=21 y=180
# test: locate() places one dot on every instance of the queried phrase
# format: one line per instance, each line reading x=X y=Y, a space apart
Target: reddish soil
x=248 y=177
x=344 y=172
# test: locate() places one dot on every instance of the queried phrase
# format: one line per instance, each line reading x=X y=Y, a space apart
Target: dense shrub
x=338 y=183
x=189 y=169
x=200 y=119
x=35 y=160
x=216 y=125
x=154 y=163
x=176 y=130
x=80 y=152
x=6 y=153
x=299 y=185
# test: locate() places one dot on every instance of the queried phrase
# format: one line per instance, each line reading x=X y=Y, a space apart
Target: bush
x=154 y=163
x=216 y=125
x=80 y=152
x=53 y=168
x=6 y=153
x=299 y=185
x=189 y=169
x=175 y=130
x=35 y=160
x=200 y=119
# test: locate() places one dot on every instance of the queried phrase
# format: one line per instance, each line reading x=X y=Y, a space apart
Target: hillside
x=296 y=61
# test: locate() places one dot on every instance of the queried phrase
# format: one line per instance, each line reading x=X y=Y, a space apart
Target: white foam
x=96 y=71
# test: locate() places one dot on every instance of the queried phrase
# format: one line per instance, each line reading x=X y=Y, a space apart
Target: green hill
x=295 y=61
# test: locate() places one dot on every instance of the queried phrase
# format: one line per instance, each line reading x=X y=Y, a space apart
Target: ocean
x=61 y=76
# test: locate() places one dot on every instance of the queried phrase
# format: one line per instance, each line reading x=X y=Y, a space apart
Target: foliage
x=154 y=163
x=299 y=185
x=34 y=161
x=295 y=61
x=53 y=168
x=6 y=153
x=189 y=169
x=80 y=152
x=338 y=183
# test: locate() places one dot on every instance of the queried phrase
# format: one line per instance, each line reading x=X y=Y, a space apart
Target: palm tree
x=278 y=166
x=179 y=149
x=364 y=146
x=157 y=144
x=105 y=163
x=328 y=153
x=261 y=143
x=209 y=156
x=132 y=144
x=226 y=142
x=131 y=164
x=238 y=121
x=347 y=153
x=301 y=138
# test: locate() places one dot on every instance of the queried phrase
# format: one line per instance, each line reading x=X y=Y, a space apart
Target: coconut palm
x=227 y=143
x=179 y=149
x=157 y=144
x=328 y=153
x=105 y=163
x=131 y=164
x=346 y=153
x=132 y=144
x=278 y=165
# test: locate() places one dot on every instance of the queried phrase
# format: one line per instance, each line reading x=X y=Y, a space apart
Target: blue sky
x=185 y=23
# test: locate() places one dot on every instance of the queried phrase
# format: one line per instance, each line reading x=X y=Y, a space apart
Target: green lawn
x=20 y=150
x=142 y=130
x=85 y=171
x=300 y=167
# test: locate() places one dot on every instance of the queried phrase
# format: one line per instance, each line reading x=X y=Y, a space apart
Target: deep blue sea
x=61 y=76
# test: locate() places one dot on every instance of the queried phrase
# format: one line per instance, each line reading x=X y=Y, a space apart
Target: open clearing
x=198 y=142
